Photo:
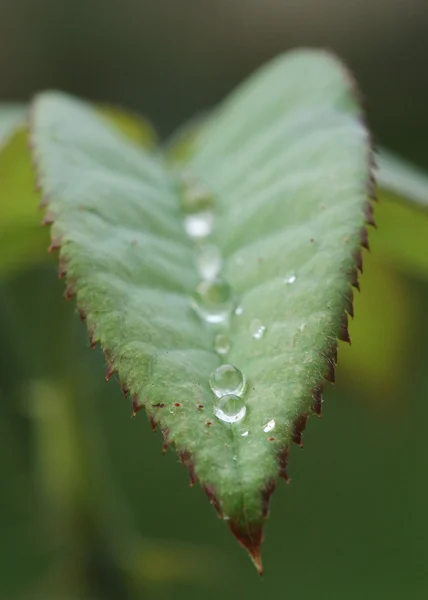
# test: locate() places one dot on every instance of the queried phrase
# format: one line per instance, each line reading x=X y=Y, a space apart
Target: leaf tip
x=249 y=538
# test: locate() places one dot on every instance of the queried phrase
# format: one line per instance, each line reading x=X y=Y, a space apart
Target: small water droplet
x=213 y=300
x=290 y=279
x=221 y=344
x=244 y=434
x=234 y=457
x=257 y=329
x=195 y=197
x=199 y=225
x=226 y=518
x=302 y=327
x=208 y=261
x=238 y=311
x=230 y=409
x=227 y=379
x=269 y=426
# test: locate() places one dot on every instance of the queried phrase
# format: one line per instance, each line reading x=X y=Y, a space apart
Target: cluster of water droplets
x=214 y=302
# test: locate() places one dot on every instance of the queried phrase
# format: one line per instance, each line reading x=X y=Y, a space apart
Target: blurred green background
x=89 y=508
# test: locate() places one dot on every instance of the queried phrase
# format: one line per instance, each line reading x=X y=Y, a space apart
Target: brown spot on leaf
x=55 y=244
x=299 y=427
x=283 y=462
x=368 y=213
x=48 y=219
x=177 y=404
x=317 y=400
x=359 y=260
x=208 y=423
x=110 y=371
x=349 y=303
x=92 y=343
x=365 y=239
x=343 y=333
x=330 y=374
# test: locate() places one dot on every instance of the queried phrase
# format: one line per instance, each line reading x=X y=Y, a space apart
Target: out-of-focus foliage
x=402 y=179
x=12 y=116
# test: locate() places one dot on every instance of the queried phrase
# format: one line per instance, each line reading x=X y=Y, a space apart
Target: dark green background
x=89 y=508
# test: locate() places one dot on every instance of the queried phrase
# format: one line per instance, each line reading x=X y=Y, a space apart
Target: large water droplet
x=208 y=261
x=227 y=379
x=221 y=344
x=198 y=225
x=269 y=426
x=230 y=409
x=290 y=279
x=213 y=300
x=257 y=329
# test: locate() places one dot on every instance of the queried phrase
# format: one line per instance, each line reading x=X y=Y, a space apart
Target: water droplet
x=302 y=327
x=290 y=279
x=234 y=457
x=221 y=344
x=244 y=434
x=230 y=409
x=227 y=379
x=238 y=311
x=199 y=225
x=208 y=261
x=196 y=197
x=269 y=426
x=213 y=300
x=257 y=329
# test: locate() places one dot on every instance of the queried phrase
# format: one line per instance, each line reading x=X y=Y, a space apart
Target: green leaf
x=402 y=179
x=22 y=241
x=286 y=162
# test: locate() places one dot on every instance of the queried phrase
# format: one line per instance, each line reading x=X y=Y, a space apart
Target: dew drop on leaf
x=238 y=311
x=208 y=261
x=195 y=197
x=257 y=329
x=213 y=300
x=221 y=344
x=230 y=409
x=227 y=379
x=269 y=426
x=198 y=225
x=290 y=279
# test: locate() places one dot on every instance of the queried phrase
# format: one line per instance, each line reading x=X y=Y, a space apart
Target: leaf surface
x=22 y=240
x=286 y=161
